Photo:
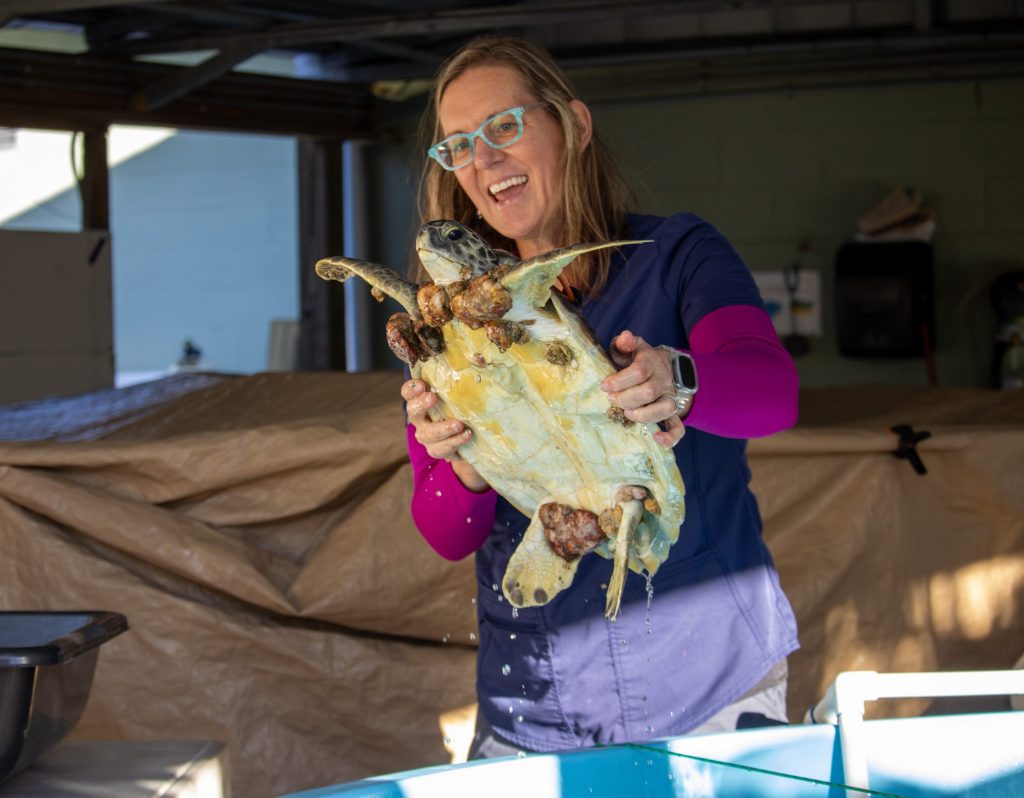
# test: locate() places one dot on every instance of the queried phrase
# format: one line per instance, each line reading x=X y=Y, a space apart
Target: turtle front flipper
x=532 y=278
x=382 y=280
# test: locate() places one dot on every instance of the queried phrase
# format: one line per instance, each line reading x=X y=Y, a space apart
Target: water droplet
x=519 y=718
x=515 y=612
x=469 y=520
x=650 y=730
x=472 y=636
x=473 y=599
x=510 y=710
x=494 y=586
x=521 y=754
x=622 y=641
x=445 y=639
x=437 y=493
x=604 y=587
x=506 y=669
x=671 y=713
x=447 y=740
x=650 y=597
x=650 y=762
x=671 y=777
x=512 y=636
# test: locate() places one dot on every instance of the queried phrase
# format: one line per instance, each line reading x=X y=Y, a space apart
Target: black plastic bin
x=47 y=660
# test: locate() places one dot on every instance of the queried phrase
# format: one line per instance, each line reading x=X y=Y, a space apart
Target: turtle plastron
x=508 y=358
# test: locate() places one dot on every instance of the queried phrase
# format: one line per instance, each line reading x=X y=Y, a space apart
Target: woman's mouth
x=507 y=188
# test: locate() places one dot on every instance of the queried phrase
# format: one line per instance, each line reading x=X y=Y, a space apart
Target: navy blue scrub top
x=562 y=676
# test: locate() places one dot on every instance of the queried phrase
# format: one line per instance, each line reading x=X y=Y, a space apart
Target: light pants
x=763 y=705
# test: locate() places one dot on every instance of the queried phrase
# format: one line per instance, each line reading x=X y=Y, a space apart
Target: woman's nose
x=484 y=155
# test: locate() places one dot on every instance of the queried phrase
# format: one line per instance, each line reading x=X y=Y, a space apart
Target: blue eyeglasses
x=498 y=132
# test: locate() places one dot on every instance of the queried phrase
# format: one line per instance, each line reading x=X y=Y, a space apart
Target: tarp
x=256 y=533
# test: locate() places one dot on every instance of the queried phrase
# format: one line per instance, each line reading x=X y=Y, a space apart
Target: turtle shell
x=523 y=370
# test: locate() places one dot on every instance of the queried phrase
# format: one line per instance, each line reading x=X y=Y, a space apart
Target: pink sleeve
x=454 y=520
x=747 y=382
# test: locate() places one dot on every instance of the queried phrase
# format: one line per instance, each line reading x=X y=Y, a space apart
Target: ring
x=682 y=403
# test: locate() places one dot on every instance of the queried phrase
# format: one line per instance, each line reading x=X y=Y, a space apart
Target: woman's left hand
x=644 y=387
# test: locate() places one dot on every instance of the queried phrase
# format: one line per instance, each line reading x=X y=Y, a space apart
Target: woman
x=515 y=157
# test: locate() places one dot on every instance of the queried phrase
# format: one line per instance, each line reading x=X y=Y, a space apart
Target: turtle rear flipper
x=535 y=573
x=381 y=279
x=632 y=511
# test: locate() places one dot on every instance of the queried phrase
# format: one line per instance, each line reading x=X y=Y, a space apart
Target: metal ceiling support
x=178 y=85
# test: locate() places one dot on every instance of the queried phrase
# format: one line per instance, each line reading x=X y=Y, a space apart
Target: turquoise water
x=967 y=756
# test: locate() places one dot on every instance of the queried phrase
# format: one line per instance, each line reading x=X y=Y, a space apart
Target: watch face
x=687 y=374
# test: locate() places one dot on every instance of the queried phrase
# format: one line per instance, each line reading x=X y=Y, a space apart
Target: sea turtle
x=507 y=356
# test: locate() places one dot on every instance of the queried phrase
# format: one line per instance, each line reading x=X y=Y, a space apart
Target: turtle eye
x=453 y=234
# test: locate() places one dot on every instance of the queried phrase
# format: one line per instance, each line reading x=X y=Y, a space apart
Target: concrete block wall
x=772 y=169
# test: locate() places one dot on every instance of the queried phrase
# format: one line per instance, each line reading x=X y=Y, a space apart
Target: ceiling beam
x=82 y=92
x=158 y=94
x=9 y=9
x=418 y=23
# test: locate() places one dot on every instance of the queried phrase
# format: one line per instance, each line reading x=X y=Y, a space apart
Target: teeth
x=507 y=183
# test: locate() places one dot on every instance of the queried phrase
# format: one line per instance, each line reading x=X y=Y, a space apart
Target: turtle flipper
x=532 y=278
x=382 y=280
x=535 y=574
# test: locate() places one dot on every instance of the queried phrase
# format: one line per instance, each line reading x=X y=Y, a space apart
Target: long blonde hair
x=594 y=195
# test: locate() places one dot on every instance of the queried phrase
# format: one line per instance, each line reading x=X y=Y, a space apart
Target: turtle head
x=450 y=251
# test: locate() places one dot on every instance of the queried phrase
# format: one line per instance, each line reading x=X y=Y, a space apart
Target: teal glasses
x=498 y=132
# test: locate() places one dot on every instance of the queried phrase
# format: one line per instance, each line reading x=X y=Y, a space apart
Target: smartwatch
x=684 y=378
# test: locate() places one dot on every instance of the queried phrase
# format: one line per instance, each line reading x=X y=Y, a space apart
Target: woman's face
x=518 y=189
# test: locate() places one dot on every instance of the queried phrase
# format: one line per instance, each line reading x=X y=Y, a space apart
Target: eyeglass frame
x=517 y=112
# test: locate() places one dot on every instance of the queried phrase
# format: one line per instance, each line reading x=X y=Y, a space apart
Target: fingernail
x=466 y=433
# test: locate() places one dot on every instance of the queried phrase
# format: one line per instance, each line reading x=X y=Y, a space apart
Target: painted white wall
x=204 y=231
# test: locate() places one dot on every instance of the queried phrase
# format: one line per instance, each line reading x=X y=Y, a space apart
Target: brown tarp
x=255 y=531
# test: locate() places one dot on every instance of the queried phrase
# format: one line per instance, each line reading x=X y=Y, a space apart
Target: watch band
x=684 y=378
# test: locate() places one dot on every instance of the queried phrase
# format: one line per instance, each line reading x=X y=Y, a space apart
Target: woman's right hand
x=441 y=439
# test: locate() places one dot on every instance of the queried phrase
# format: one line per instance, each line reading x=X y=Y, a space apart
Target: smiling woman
x=514 y=157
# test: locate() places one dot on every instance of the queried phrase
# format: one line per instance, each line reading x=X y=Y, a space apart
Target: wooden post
x=321 y=234
x=95 y=183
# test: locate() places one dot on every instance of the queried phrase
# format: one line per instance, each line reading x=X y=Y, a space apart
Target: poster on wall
x=792 y=298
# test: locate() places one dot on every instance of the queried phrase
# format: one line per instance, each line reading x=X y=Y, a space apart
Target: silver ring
x=682 y=403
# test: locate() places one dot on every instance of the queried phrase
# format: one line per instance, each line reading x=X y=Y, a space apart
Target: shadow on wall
x=204 y=233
